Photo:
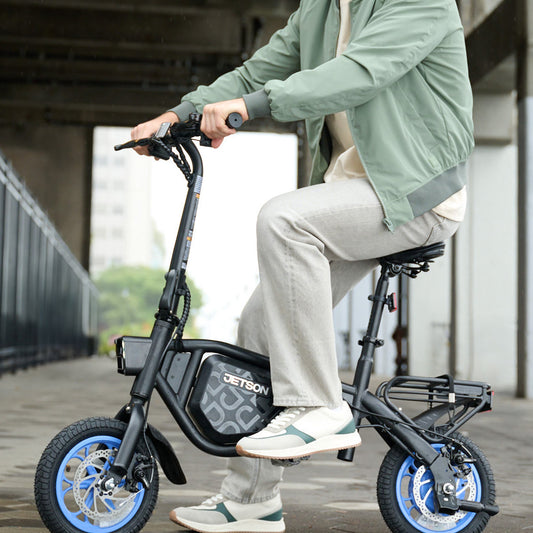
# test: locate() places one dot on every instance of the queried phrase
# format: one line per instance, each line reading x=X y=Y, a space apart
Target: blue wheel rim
x=408 y=505
x=64 y=487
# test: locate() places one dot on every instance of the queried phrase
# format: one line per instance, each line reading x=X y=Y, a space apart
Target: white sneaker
x=221 y=515
x=300 y=431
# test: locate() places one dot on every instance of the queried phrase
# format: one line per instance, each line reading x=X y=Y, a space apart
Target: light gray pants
x=314 y=245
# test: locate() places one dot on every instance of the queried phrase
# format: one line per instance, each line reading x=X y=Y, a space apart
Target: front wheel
x=67 y=494
x=405 y=490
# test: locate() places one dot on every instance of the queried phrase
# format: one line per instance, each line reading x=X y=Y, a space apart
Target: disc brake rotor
x=105 y=508
x=465 y=486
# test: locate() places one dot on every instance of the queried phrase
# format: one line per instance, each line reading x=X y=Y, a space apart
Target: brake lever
x=205 y=141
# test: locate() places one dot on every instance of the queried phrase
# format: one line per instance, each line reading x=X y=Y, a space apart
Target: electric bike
x=101 y=474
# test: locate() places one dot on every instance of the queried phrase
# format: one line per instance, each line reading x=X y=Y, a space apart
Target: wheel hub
x=105 y=507
x=423 y=495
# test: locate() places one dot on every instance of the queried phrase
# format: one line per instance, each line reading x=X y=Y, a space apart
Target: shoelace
x=285 y=418
x=214 y=500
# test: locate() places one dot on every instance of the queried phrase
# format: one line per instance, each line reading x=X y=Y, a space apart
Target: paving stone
x=320 y=495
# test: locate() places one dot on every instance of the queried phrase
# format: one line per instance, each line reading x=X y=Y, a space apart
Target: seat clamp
x=372 y=340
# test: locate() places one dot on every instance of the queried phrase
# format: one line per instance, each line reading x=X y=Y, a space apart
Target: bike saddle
x=416 y=255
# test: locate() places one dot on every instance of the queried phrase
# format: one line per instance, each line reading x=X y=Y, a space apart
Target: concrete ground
x=321 y=495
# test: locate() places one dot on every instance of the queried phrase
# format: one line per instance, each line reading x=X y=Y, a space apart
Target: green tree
x=128 y=301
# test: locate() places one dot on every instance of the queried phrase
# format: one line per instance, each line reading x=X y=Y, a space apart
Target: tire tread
x=386 y=492
x=46 y=472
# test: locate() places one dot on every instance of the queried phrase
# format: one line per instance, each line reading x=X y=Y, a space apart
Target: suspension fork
x=141 y=393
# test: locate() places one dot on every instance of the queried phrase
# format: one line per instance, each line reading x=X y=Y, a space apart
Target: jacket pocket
x=417 y=128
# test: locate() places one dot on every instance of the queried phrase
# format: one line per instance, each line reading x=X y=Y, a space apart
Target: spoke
x=462 y=490
x=428 y=493
x=89 y=498
x=88 y=482
x=67 y=481
x=64 y=492
x=92 y=480
x=108 y=504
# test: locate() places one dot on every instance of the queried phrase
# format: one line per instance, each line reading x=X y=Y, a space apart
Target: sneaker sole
x=241 y=526
x=324 y=444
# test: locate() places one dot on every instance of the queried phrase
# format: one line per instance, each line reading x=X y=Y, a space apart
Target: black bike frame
x=390 y=424
x=166 y=321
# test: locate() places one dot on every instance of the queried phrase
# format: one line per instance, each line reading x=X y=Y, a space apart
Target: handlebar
x=177 y=133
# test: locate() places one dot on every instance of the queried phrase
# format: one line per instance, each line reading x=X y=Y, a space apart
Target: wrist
x=257 y=104
x=169 y=116
x=183 y=110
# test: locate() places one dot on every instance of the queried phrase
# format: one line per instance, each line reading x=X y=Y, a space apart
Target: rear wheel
x=67 y=493
x=405 y=490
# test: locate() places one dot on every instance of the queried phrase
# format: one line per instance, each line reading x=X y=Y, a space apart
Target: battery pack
x=231 y=399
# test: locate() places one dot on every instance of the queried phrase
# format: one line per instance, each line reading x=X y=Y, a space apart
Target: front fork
x=140 y=393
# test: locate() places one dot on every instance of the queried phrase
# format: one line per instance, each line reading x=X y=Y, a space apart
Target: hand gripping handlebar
x=177 y=133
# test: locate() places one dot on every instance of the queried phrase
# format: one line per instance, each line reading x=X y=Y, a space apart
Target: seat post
x=370 y=341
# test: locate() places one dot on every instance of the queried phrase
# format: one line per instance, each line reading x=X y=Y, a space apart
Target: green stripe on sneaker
x=349 y=428
x=291 y=430
x=274 y=517
x=221 y=508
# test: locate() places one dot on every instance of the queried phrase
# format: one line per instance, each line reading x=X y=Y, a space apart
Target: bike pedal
x=289 y=462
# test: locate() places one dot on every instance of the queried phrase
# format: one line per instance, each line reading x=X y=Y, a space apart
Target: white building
x=122 y=229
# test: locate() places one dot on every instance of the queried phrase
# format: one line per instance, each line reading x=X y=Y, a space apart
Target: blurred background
x=86 y=233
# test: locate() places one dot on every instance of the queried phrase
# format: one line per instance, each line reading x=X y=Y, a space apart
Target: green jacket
x=403 y=81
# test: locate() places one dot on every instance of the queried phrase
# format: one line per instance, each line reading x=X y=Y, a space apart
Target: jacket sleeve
x=275 y=61
x=397 y=37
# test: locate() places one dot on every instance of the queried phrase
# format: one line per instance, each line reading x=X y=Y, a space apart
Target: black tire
x=66 y=473
x=404 y=512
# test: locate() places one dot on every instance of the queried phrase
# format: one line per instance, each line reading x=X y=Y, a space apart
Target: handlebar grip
x=234 y=121
x=132 y=144
x=129 y=144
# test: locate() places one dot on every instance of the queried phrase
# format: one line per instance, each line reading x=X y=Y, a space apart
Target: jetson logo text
x=246 y=384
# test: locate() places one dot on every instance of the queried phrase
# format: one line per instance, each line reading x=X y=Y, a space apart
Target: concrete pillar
x=304 y=156
x=55 y=162
x=463 y=312
x=525 y=202
x=485 y=251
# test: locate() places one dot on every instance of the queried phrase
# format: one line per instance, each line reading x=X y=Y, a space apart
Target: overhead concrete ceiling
x=105 y=62
x=118 y=62
x=492 y=46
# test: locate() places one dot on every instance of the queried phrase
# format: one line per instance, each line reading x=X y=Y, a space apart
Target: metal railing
x=48 y=304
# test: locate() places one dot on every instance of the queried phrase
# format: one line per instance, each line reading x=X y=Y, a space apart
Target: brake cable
x=179 y=159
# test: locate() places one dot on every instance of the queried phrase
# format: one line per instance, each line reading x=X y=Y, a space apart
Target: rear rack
x=458 y=401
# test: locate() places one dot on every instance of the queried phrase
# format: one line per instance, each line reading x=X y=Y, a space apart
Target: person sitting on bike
x=384 y=91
